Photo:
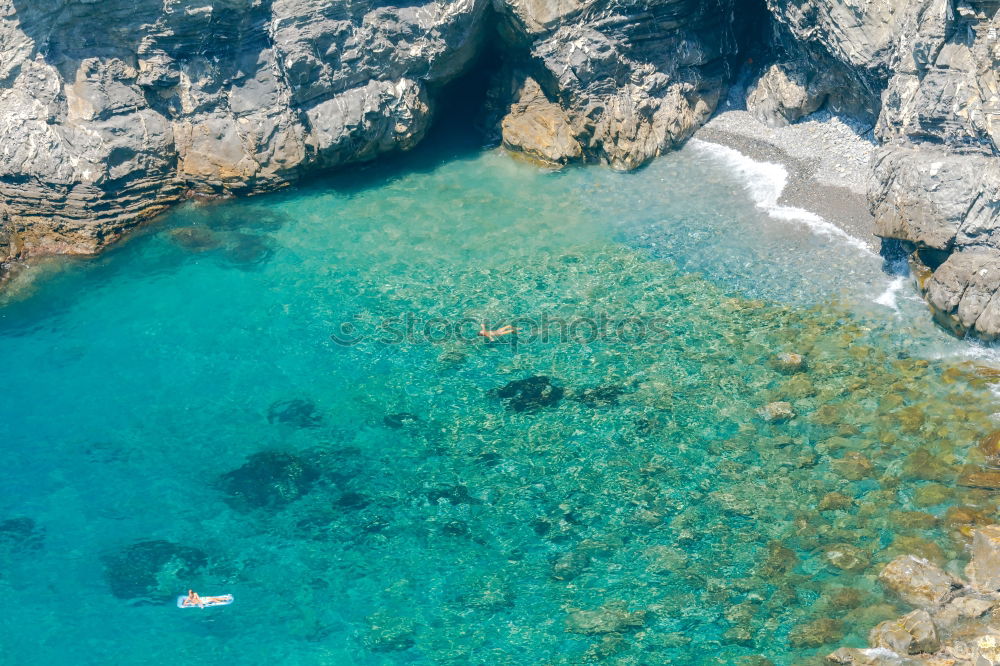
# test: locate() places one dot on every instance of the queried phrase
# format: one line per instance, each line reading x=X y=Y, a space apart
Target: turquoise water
x=388 y=502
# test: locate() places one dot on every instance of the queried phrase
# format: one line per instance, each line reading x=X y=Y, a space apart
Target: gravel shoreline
x=827 y=158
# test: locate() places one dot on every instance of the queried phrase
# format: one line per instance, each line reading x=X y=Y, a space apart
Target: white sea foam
x=765 y=181
x=888 y=297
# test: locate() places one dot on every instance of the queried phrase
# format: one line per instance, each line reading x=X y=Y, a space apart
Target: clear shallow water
x=409 y=514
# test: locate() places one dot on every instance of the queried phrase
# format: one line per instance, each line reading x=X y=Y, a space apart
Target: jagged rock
x=787 y=91
x=984 y=568
x=917 y=582
x=911 y=634
x=539 y=128
x=961 y=608
x=777 y=412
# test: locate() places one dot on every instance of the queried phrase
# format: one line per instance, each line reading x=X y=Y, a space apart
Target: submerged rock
x=270 y=479
x=989 y=446
x=600 y=396
x=911 y=634
x=248 y=251
x=846 y=557
x=988 y=479
x=152 y=571
x=297 y=412
x=819 y=632
x=389 y=633
x=21 y=534
x=530 y=394
x=777 y=412
x=789 y=363
x=609 y=618
x=195 y=239
x=917 y=582
x=570 y=565
x=397 y=421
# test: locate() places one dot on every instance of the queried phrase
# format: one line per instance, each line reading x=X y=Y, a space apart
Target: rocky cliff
x=927 y=72
x=112 y=111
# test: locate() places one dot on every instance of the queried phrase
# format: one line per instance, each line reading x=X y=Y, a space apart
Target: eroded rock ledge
x=110 y=112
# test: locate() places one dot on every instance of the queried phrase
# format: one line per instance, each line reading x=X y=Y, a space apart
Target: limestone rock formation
x=110 y=112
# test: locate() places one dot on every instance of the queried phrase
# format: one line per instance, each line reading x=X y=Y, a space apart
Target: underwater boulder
x=788 y=363
x=609 y=618
x=297 y=412
x=600 y=396
x=568 y=566
x=268 y=480
x=21 y=534
x=247 y=251
x=389 y=633
x=530 y=394
x=777 y=412
x=819 y=632
x=397 y=421
x=195 y=239
x=150 y=572
x=453 y=494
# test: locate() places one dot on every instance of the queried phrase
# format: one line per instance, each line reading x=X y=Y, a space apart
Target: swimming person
x=493 y=335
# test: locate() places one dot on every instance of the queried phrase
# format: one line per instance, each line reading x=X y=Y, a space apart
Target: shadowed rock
x=296 y=412
x=530 y=394
x=600 y=396
x=20 y=534
x=195 y=239
x=248 y=251
x=268 y=480
x=454 y=495
x=399 y=420
x=150 y=572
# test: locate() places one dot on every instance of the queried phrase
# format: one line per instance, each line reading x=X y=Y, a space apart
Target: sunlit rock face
x=110 y=112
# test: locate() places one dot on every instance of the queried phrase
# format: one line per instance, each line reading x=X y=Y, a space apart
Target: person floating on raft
x=491 y=336
x=193 y=600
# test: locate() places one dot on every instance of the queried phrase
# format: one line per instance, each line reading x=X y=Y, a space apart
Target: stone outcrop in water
x=953 y=624
x=929 y=71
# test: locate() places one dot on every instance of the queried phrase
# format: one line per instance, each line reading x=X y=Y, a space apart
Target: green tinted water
x=639 y=511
